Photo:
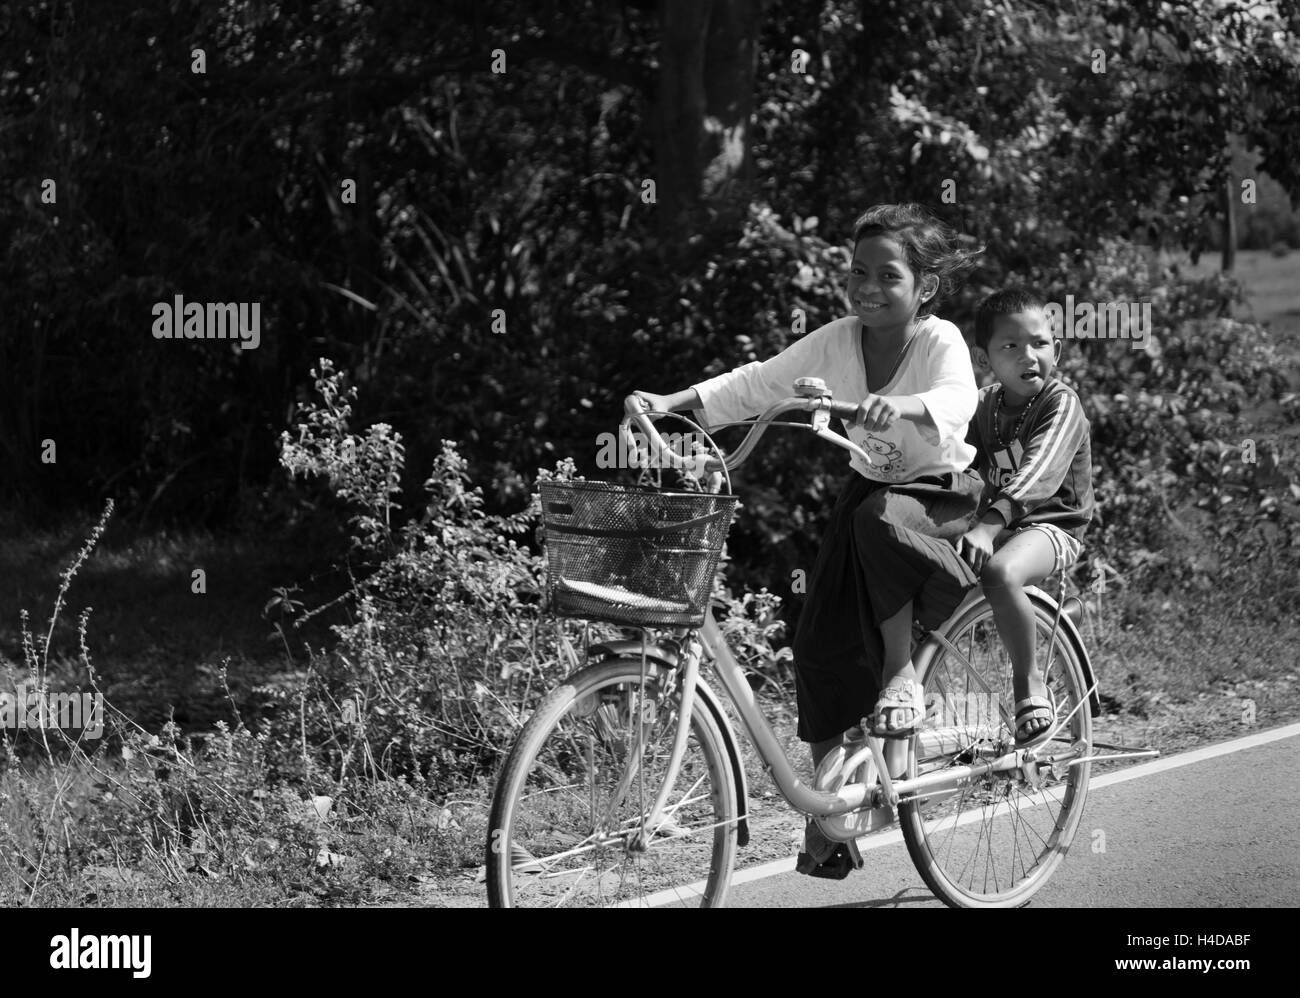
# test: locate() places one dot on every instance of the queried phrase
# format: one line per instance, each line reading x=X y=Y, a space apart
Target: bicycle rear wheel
x=995 y=841
x=567 y=827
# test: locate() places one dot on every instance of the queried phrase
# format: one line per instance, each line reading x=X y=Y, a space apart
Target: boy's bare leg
x=1026 y=558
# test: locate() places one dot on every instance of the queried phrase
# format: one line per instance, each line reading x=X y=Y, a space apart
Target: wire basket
x=630 y=555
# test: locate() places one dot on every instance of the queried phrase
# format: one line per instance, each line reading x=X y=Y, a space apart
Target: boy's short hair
x=1008 y=301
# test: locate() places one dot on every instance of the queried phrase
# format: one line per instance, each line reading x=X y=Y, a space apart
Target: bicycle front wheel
x=995 y=841
x=568 y=824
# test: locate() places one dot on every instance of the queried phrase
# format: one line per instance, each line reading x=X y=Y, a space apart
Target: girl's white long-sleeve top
x=935 y=367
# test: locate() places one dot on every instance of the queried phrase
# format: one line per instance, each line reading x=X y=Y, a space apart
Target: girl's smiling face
x=1022 y=352
x=882 y=290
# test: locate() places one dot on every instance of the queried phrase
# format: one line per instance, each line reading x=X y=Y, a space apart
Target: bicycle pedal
x=844 y=860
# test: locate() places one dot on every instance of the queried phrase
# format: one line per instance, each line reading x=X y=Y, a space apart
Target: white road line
x=881 y=839
x=1196 y=755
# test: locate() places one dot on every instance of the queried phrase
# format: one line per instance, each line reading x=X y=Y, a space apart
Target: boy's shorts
x=1067 y=548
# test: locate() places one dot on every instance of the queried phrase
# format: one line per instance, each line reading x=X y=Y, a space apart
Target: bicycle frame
x=856 y=795
x=709 y=640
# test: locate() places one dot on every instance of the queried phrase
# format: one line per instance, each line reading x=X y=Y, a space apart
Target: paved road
x=1213 y=828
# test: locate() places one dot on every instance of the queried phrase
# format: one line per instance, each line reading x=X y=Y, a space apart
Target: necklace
x=997 y=418
x=898 y=359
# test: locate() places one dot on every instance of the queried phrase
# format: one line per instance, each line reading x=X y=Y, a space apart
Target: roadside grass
x=135 y=841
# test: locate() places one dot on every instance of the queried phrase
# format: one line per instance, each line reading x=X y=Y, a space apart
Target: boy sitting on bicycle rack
x=1034 y=455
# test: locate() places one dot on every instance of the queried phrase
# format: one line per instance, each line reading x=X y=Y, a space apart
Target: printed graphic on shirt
x=1005 y=464
x=886 y=458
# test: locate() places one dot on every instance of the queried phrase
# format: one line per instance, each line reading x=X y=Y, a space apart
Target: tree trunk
x=1229 y=227
x=702 y=115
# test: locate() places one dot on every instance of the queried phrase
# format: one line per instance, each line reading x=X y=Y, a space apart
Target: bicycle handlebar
x=818 y=401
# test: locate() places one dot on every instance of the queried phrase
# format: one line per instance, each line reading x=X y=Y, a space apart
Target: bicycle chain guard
x=832 y=777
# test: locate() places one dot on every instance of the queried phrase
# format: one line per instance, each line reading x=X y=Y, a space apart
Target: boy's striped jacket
x=1045 y=474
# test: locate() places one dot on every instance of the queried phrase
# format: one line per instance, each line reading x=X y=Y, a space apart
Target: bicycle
x=626 y=785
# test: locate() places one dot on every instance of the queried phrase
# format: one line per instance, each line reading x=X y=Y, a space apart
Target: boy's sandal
x=1034 y=709
x=908 y=695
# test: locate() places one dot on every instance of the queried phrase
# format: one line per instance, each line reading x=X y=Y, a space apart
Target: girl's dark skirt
x=885 y=545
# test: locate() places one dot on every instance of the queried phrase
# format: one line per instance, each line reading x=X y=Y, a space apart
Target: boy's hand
x=976 y=545
x=877 y=412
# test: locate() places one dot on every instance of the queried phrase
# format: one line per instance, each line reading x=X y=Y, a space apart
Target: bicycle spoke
x=987 y=826
x=576 y=884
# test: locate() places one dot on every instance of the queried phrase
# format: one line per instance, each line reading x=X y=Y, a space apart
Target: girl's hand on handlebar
x=877 y=412
x=654 y=403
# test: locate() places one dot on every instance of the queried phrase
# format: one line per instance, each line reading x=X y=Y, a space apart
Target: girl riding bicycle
x=888 y=555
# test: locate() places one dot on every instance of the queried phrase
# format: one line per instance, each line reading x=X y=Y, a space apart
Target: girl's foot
x=823 y=858
x=900 y=709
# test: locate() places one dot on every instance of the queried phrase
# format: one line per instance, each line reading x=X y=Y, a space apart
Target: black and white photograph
x=649 y=453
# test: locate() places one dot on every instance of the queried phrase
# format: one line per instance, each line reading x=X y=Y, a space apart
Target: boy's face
x=882 y=289
x=1022 y=352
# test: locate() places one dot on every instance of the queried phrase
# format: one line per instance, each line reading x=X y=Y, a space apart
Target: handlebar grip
x=843 y=410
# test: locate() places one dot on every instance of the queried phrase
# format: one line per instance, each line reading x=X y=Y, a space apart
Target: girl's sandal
x=907 y=695
x=1034 y=709
x=824 y=858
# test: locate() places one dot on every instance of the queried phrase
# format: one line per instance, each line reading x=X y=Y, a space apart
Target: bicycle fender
x=1071 y=632
x=710 y=699
x=654 y=652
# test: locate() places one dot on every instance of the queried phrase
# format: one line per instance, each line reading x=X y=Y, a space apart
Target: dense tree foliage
x=506 y=272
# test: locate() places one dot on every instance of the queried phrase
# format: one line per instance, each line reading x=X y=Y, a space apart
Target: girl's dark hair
x=1008 y=301
x=929 y=246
